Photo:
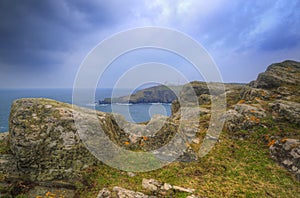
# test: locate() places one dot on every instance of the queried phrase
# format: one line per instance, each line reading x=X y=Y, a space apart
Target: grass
x=233 y=168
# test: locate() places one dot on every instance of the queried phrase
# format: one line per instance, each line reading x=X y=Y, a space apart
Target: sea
x=132 y=112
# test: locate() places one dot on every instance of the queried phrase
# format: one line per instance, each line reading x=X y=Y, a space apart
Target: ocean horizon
x=132 y=112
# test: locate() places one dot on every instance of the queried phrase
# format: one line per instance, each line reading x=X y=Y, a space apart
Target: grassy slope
x=234 y=168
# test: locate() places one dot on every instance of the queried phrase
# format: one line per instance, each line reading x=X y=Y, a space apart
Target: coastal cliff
x=43 y=153
x=156 y=94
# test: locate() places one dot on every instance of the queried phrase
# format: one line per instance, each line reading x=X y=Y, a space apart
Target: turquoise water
x=132 y=112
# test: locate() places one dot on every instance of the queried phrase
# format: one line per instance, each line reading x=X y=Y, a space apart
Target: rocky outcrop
x=44 y=141
x=287 y=153
x=279 y=74
x=254 y=94
x=286 y=110
x=244 y=117
x=279 y=89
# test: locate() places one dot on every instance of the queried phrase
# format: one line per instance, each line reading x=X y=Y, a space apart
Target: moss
x=4 y=147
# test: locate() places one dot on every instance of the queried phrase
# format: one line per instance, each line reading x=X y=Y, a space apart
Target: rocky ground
x=256 y=155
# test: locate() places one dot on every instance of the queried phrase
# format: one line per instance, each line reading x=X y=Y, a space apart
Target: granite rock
x=287 y=153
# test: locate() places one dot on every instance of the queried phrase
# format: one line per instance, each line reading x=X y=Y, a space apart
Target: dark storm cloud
x=258 y=25
x=31 y=30
x=49 y=38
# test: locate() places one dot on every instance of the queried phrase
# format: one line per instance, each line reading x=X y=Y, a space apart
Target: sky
x=43 y=43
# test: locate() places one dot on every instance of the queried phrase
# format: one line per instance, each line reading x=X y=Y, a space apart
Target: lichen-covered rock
x=278 y=74
x=252 y=94
x=287 y=153
x=154 y=189
x=124 y=193
x=162 y=189
x=287 y=110
x=151 y=184
x=44 y=141
x=250 y=110
x=244 y=117
x=234 y=120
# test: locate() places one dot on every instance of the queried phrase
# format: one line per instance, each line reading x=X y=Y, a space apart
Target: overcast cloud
x=42 y=43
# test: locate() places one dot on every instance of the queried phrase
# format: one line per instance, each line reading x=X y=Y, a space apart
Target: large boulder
x=44 y=141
